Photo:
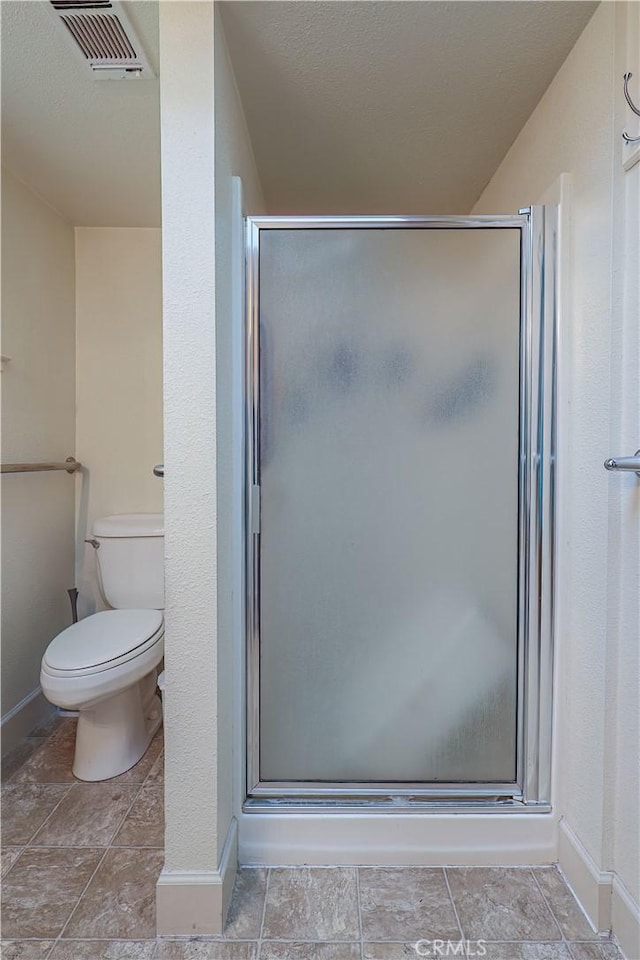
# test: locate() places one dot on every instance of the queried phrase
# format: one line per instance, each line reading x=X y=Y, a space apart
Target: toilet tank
x=130 y=557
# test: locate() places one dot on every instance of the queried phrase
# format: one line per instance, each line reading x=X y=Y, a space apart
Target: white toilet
x=105 y=665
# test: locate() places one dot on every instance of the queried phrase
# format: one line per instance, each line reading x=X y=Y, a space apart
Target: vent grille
x=100 y=37
x=102 y=32
x=81 y=4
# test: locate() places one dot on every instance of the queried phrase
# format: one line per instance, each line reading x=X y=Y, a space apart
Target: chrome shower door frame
x=531 y=790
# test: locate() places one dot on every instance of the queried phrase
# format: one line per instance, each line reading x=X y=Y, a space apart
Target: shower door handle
x=624 y=464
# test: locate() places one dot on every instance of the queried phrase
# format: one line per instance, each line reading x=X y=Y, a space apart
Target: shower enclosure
x=400 y=474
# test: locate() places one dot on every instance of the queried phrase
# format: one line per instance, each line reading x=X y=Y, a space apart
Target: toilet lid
x=102 y=637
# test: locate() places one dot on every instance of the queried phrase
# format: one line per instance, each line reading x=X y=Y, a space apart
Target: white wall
x=622 y=780
x=82 y=319
x=233 y=157
x=558 y=138
x=576 y=129
x=199 y=844
x=118 y=382
x=38 y=421
x=187 y=117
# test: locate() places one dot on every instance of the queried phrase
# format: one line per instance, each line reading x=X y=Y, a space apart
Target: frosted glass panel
x=389 y=504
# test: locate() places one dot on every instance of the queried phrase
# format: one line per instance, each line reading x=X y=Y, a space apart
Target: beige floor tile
x=406 y=903
x=277 y=950
x=142 y=769
x=103 y=950
x=391 y=951
x=8 y=856
x=89 y=815
x=14 y=759
x=42 y=889
x=571 y=919
x=66 y=730
x=25 y=807
x=247 y=905
x=26 y=949
x=311 y=904
x=604 y=950
x=206 y=950
x=119 y=903
x=521 y=951
x=475 y=951
x=52 y=763
x=156 y=774
x=495 y=903
x=144 y=825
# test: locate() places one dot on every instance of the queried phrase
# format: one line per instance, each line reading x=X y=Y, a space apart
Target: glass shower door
x=386 y=435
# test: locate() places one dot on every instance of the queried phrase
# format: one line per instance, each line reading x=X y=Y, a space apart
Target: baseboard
x=592 y=886
x=195 y=903
x=625 y=920
x=21 y=719
x=410 y=840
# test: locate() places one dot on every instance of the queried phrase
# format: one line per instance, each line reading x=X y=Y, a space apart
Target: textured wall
x=576 y=129
x=197 y=311
x=118 y=382
x=191 y=702
x=38 y=395
x=234 y=157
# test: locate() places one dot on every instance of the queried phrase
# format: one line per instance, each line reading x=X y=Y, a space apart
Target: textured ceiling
x=91 y=148
x=391 y=107
x=355 y=107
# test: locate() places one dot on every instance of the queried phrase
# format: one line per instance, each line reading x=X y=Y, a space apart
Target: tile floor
x=80 y=863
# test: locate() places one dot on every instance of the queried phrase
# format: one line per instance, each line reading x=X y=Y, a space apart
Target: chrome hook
x=627 y=95
x=635 y=109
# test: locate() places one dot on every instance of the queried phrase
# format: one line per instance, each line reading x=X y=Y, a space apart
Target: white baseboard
x=592 y=886
x=602 y=895
x=625 y=920
x=21 y=719
x=411 y=840
x=195 y=903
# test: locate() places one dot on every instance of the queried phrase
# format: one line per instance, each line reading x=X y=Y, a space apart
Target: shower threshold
x=395 y=803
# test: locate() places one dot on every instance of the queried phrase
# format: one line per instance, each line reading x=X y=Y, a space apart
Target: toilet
x=105 y=666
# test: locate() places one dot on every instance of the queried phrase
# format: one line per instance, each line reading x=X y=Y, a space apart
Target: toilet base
x=113 y=734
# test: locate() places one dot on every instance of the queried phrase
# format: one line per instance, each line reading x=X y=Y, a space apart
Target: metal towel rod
x=70 y=465
x=624 y=464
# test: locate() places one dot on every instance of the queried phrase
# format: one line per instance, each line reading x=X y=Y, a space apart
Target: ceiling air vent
x=104 y=35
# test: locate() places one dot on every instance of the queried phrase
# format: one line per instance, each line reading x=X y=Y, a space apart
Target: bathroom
x=139 y=360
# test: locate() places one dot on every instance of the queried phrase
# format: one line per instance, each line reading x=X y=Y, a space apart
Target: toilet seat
x=102 y=642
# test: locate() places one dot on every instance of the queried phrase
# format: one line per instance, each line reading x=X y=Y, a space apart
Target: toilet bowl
x=105 y=666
